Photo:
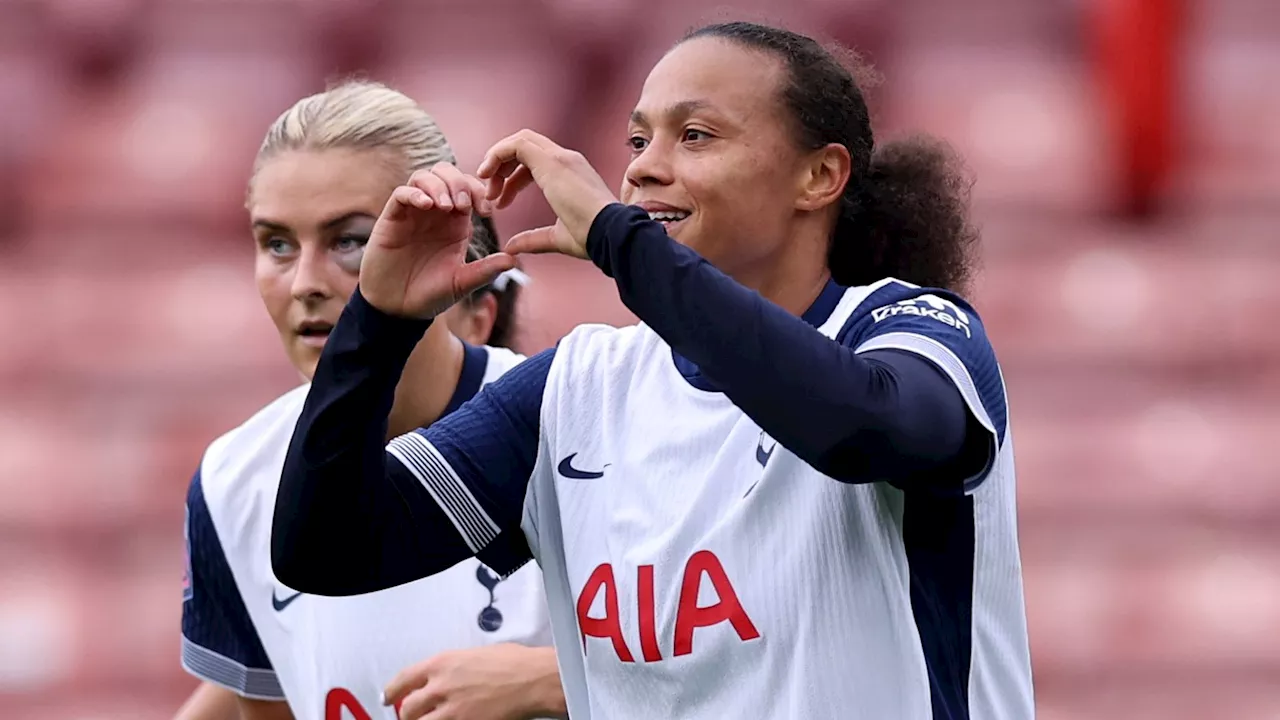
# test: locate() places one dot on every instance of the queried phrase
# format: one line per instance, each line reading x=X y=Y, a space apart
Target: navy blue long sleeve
x=879 y=415
x=349 y=517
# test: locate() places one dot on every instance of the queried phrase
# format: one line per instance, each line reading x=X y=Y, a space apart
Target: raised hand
x=415 y=262
x=571 y=186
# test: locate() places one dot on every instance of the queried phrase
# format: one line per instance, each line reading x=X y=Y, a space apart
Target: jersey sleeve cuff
x=598 y=236
x=384 y=328
x=442 y=482
x=506 y=554
x=949 y=363
x=247 y=682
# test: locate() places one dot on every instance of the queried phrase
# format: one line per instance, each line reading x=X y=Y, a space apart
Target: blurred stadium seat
x=1233 y=124
x=513 y=78
x=1002 y=81
x=1112 y=297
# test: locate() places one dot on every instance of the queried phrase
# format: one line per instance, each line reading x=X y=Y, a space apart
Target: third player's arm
x=264 y=710
x=210 y=702
x=504 y=680
x=352 y=517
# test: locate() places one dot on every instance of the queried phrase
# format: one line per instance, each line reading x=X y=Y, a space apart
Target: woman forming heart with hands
x=792 y=411
x=415 y=263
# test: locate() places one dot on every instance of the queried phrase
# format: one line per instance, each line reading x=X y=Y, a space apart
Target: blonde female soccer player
x=322 y=176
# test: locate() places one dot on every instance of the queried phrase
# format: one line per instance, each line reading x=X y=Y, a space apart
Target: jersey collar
x=474 y=362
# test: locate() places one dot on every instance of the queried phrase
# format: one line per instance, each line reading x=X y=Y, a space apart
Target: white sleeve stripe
x=446 y=488
x=943 y=358
x=252 y=683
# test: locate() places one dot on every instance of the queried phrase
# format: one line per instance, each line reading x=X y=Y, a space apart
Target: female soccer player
x=788 y=493
x=323 y=173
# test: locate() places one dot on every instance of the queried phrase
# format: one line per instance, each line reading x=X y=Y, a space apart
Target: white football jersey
x=696 y=569
x=329 y=657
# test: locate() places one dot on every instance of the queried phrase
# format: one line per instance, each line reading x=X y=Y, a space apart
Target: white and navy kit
x=329 y=657
x=738 y=513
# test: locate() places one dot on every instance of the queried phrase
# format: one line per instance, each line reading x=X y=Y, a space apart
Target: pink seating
x=32 y=93
x=1100 y=299
x=518 y=81
x=602 y=23
x=175 y=144
x=105 y=617
x=203 y=314
x=1020 y=119
x=142 y=399
x=139 y=607
x=1170 y=455
x=135 y=454
x=94 y=40
x=229 y=26
x=1109 y=602
x=564 y=294
x=133 y=704
x=1168 y=699
x=1232 y=155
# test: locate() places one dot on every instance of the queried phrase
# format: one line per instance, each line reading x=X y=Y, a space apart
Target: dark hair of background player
x=484 y=241
x=904 y=213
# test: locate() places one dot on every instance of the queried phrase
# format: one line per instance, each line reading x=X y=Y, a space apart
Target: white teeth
x=668 y=216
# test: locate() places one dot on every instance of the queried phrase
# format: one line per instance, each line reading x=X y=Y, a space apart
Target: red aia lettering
x=340 y=699
x=607 y=626
x=689 y=616
x=648 y=617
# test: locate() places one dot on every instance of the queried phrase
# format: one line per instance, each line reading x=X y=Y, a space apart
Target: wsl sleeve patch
x=187 y=591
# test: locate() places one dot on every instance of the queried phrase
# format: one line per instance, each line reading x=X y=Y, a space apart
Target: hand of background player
x=573 y=189
x=415 y=262
x=495 y=682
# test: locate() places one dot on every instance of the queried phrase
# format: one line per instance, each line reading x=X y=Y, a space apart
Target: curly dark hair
x=905 y=210
x=484 y=241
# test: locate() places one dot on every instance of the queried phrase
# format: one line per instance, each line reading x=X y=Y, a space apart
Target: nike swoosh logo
x=567 y=469
x=279 y=604
x=762 y=457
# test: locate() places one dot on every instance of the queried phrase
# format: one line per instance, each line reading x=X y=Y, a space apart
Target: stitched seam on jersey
x=446 y=488
x=252 y=683
x=940 y=354
x=1004 y=390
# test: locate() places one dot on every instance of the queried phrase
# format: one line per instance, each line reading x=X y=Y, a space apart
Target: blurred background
x=1128 y=163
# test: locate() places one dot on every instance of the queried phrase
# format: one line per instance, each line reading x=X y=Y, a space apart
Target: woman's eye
x=351 y=243
x=277 y=246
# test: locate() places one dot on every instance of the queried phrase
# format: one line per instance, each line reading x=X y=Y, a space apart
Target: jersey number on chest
x=689 y=615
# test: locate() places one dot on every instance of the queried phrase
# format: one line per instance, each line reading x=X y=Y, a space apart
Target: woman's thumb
x=532 y=242
x=474 y=275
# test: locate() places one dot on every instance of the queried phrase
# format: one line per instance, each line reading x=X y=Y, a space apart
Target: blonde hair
x=365 y=115
x=359 y=115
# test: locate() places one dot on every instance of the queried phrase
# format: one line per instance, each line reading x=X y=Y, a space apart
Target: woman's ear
x=472 y=320
x=823 y=177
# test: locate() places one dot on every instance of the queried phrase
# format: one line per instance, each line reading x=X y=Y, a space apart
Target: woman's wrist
x=545 y=693
x=597 y=244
